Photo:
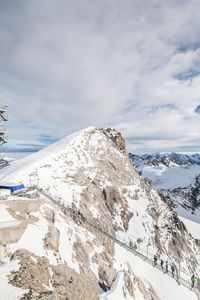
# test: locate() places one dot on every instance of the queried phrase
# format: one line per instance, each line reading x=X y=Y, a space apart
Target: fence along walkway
x=182 y=277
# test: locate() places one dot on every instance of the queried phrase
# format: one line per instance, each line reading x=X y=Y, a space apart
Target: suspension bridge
x=124 y=240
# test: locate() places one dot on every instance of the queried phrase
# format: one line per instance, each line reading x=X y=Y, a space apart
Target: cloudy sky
x=129 y=64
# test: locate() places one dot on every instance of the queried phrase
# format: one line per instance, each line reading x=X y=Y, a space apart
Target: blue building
x=13 y=187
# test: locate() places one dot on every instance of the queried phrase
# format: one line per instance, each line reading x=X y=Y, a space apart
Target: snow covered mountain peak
x=90 y=173
x=90 y=140
x=164 y=159
x=176 y=176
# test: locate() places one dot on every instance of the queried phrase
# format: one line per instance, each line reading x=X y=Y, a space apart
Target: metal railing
x=125 y=240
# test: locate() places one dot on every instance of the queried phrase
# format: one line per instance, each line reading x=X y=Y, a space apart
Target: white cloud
x=66 y=65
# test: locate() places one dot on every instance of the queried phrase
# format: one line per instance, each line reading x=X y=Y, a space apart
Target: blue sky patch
x=47 y=139
x=197 y=109
x=109 y=68
x=188 y=75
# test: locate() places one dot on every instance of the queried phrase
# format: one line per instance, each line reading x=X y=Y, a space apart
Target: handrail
x=140 y=251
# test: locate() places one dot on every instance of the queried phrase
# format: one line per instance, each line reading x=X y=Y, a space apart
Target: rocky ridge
x=92 y=172
x=158 y=168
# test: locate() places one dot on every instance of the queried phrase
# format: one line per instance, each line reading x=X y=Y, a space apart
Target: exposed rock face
x=116 y=137
x=46 y=281
x=113 y=199
x=51 y=241
x=132 y=282
x=51 y=282
x=148 y=293
x=165 y=159
x=81 y=252
x=129 y=285
x=188 y=197
x=70 y=285
x=186 y=194
x=92 y=174
x=3 y=163
x=107 y=275
x=33 y=273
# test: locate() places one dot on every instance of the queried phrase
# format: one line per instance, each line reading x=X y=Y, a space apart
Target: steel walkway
x=179 y=278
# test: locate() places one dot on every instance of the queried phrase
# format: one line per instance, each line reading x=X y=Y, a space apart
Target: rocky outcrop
x=51 y=282
x=148 y=292
x=116 y=137
x=129 y=285
x=33 y=272
x=51 y=240
x=188 y=197
x=132 y=282
x=71 y=285
x=92 y=175
x=112 y=199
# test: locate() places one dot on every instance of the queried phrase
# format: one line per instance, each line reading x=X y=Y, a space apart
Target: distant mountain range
x=176 y=176
x=87 y=196
x=167 y=159
x=5 y=161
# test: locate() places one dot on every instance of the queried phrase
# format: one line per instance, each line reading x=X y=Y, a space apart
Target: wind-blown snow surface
x=192 y=227
x=187 y=214
x=5 y=216
x=89 y=171
x=37 y=158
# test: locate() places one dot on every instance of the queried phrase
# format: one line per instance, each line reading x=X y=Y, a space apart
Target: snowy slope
x=91 y=171
x=168 y=171
x=39 y=157
x=192 y=227
x=4 y=214
x=170 y=178
x=176 y=177
x=167 y=159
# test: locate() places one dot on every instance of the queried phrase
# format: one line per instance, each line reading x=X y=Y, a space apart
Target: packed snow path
x=181 y=276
